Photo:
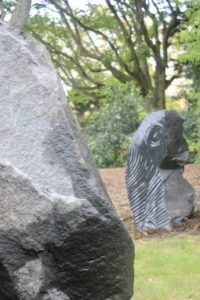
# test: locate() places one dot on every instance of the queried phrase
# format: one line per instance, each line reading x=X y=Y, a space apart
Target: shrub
x=109 y=130
x=192 y=127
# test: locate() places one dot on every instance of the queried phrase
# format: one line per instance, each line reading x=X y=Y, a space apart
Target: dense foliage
x=109 y=131
x=192 y=133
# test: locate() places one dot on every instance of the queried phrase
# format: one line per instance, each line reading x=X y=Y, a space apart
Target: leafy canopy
x=120 y=39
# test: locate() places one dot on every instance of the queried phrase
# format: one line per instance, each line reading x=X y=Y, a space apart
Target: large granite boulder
x=60 y=236
x=159 y=195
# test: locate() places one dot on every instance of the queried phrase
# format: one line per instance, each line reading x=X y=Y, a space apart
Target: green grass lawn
x=168 y=269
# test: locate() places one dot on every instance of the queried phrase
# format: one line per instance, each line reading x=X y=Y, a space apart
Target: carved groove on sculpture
x=144 y=177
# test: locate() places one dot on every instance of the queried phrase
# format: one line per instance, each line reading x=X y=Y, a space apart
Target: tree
x=120 y=38
x=190 y=43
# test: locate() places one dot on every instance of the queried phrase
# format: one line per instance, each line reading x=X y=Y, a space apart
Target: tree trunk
x=158 y=98
x=20 y=14
x=2 y=12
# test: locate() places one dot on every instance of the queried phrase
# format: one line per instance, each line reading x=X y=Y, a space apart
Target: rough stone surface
x=60 y=236
x=159 y=195
x=180 y=197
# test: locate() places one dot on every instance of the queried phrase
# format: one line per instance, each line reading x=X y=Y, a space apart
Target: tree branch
x=169 y=81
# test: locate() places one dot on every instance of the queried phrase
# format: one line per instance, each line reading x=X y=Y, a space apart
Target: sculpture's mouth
x=175 y=161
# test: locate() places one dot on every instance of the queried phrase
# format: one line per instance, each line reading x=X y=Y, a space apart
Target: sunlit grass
x=168 y=269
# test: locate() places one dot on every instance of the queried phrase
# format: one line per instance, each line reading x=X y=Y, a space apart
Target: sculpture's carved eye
x=155 y=135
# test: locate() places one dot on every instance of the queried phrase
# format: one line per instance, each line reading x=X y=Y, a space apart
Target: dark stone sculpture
x=159 y=196
x=60 y=236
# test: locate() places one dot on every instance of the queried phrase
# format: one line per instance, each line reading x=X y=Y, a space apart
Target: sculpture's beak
x=181 y=158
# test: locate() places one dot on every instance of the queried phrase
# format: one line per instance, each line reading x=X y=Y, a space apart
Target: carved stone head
x=157 y=154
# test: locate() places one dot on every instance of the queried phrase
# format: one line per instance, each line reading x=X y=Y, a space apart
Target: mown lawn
x=168 y=269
